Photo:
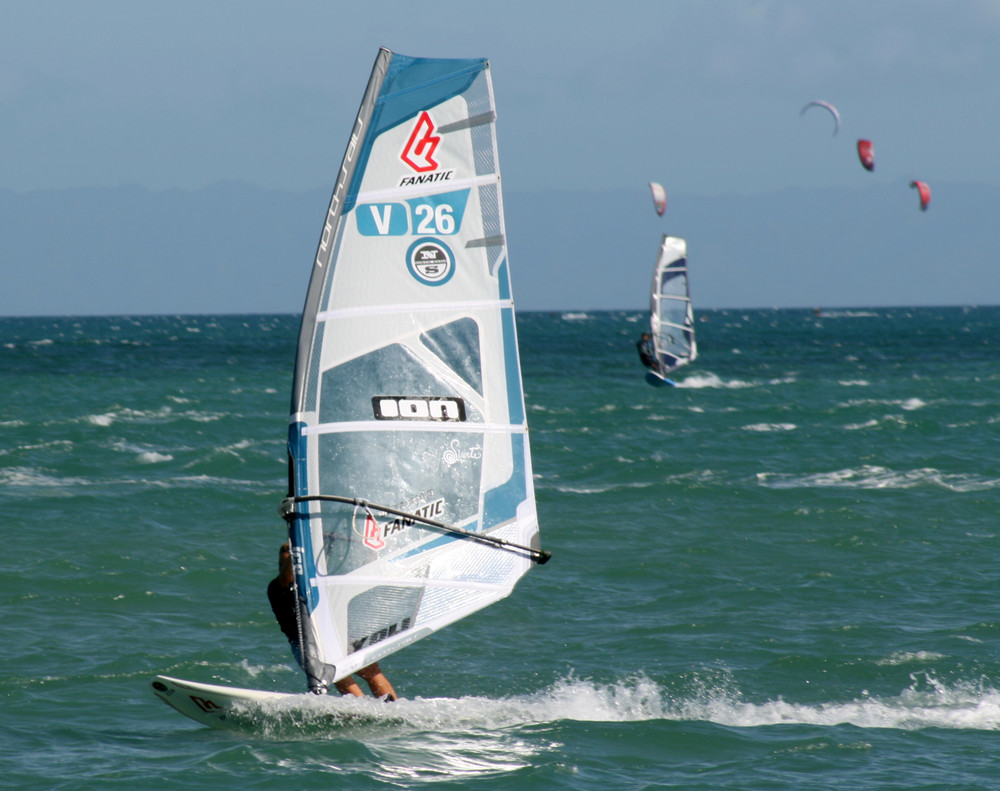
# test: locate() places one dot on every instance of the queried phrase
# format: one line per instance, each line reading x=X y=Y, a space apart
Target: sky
x=703 y=96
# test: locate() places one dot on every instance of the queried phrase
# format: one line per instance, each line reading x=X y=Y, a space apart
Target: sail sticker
x=380 y=635
x=435 y=408
x=373 y=533
x=455 y=453
x=426 y=178
x=419 y=150
x=205 y=704
x=382 y=219
x=432 y=510
x=439 y=214
x=430 y=261
x=429 y=214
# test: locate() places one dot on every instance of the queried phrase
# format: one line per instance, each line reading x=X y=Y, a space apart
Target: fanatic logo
x=420 y=148
x=206 y=705
x=373 y=533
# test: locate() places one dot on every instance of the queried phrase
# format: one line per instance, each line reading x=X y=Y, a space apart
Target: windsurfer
x=646 y=351
x=281 y=594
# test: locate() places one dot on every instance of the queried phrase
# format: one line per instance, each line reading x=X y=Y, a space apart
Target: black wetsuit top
x=282 y=598
x=646 y=353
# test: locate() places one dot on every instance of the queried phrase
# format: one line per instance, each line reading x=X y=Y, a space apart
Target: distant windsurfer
x=646 y=351
x=281 y=594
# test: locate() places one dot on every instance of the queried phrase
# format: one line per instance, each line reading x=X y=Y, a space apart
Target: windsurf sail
x=410 y=502
x=670 y=313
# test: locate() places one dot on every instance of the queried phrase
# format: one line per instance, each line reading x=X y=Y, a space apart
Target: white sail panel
x=408 y=414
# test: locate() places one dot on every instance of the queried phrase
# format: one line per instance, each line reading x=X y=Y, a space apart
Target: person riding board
x=646 y=351
x=281 y=595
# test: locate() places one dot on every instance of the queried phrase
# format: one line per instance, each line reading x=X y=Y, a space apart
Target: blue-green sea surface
x=781 y=574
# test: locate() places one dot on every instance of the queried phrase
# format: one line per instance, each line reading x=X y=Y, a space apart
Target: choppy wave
x=874 y=477
x=699 y=476
x=907 y=404
x=907 y=657
x=61 y=444
x=848 y=314
x=27 y=479
x=166 y=413
x=769 y=427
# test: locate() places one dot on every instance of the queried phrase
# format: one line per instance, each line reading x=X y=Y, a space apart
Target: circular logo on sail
x=430 y=261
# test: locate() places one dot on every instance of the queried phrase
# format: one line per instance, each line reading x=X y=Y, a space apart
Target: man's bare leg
x=377 y=681
x=348 y=686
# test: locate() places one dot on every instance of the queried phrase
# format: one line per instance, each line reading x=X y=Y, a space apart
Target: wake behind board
x=211 y=704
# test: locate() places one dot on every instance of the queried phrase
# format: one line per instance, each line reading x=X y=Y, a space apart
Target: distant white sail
x=670 y=313
x=411 y=500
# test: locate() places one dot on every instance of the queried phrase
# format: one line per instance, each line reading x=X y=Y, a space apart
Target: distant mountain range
x=237 y=248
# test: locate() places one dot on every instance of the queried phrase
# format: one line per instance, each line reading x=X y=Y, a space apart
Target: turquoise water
x=779 y=575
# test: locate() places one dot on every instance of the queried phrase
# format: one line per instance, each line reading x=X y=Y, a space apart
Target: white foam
x=768 y=427
x=29 y=478
x=907 y=404
x=907 y=657
x=710 y=380
x=152 y=457
x=925 y=703
x=874 y=477
x=847 y=314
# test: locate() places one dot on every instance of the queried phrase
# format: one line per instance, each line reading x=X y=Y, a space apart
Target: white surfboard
x=272 y=713
x=211 y=704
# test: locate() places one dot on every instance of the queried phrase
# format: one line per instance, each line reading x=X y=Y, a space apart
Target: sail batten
x=407 y=385
x=426 y=188
x=332 y=428
x=415 y=583
x=377 y=310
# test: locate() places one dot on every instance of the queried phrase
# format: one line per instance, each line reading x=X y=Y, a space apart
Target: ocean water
x=781 y=574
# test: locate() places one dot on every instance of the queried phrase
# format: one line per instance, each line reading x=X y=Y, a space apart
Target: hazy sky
x=703 y=95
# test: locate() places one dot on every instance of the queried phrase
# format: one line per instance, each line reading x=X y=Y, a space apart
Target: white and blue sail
x=411 y=502
x=671 y=316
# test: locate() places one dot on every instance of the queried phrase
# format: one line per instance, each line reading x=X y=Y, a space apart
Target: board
x=211 y=704
x=271 y=713
x=659 y=381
